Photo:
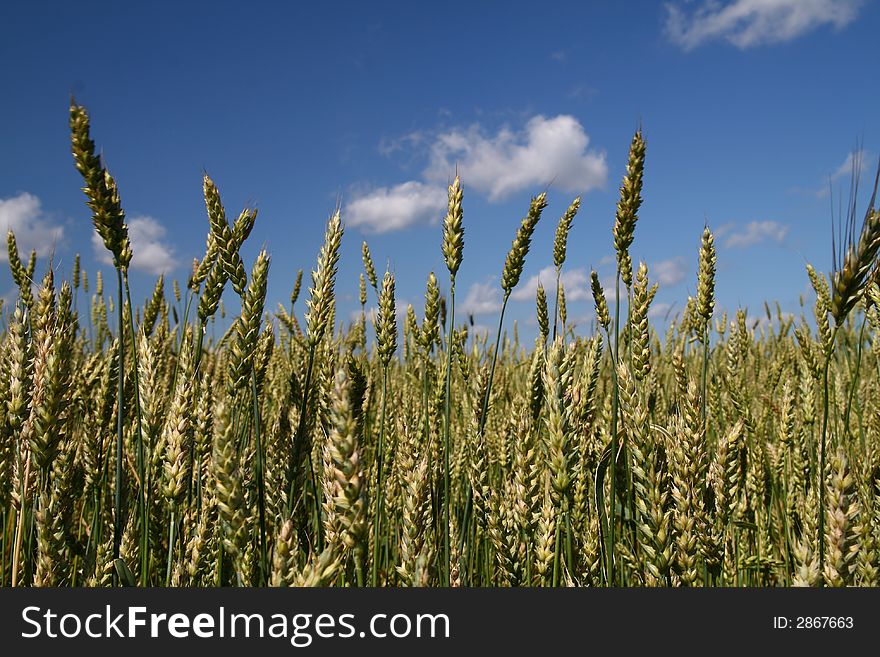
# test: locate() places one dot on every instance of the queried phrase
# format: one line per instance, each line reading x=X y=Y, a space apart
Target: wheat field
x=296 y=450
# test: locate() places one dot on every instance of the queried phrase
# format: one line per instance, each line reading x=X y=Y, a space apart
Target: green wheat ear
x=852 y=270
x=430 y=331
x=642 y=297
x=19 y=274
x=602 y=314
x=706 y=278
x=386 y=325
x=561 y=240
x=320 y=305
x=628 y=206
x=100 y=188
x=513 y=265
x=453 y=229
x=297 y=286
x=542 y=312
x=369 y=268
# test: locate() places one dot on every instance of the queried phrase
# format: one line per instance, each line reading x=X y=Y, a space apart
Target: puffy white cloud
x=754 y=232
x=748 y=23
x=23 y=214
x=668 y=272
x=552 y=150
x=392 y=208
x=546 y=151
x=576 y=283
x=151 y=253
x=482 y=299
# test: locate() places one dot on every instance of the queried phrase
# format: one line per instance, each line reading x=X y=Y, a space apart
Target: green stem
x=359 y=569
x=261 y=483
x=141 y=455
x=172 y=526
x=705 y=376
x=195 y=468
x=569 y=548
x=485 y=408
x=556 y=303
x=855 y=378
x=432 y=484
x=293 y=473
x=189 y=300
x=120 y=417
x=446 y=429
x=482 y=425
x=380 y=483
x=822 y=440
x=615 y=404
x=3 y=548
x=556 y=551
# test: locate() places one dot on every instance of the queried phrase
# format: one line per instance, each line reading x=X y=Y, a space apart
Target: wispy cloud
x=748 y=23
x=391 y=145
x=393 y=208
x=372 y=312
x=482 y=330
x=752 y=233
x=854 y=164
x=575 y=282
x=546 y=150
x=482 y=299
x=24 y=215
x=763 y=323
x=151 y=253
x=659 y=310
x=668 y=272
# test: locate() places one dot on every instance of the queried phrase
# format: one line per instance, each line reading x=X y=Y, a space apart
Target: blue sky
x=750 y=108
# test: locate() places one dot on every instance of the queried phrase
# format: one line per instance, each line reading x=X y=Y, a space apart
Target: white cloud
x=853 y=165
x=150 y=253
x=482 y=330
x=659 y=310
x=668 y=272
x=546 y=151
x=609 y=287
x=388 y=146
x=372 y=312
x=482 y=299
x=580 y=320
x=748 y=23
x=576 y=283
x=24 y=215
x=10 y=297
x=392 y=208
x=752 y=233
